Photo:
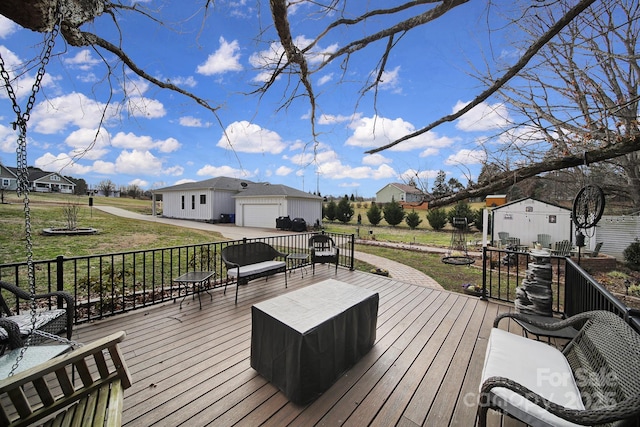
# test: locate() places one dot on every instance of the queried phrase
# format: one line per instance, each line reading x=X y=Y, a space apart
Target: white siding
x=309 y=209
x=387 y=193
x=616 y=233
x=528 y=218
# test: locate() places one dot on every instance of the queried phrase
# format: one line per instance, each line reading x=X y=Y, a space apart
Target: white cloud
x=329 y=119
x=144 y=142
x=390 y=80
x=56 y=114
x=148 y=108
x=184 y=81
x=267 y=60
x=325 y=79
x=466 y=157
x=62 y=163
x=226 y=58
x=20 y=74
x=482 y=117
x=7 y=27
x=210 y=170
x=376 y=131
x=193 y=122
x=8 y=139
x=89 y=144
x=283 y=171
x=83 y=60
x=139 y=182
x=138 y=162
x=375 y=160
x=245 y=137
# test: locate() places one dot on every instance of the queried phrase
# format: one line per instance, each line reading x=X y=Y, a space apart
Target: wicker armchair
x=14 y=329
x=600 y=364
x=323 y=250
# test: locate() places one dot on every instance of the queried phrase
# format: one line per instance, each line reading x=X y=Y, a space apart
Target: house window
x=55 y=178
x=203 y=199
x=193 y=201
x=183 y=202
x=5 y=182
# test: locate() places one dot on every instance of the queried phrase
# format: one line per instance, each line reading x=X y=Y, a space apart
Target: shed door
x=263 y=216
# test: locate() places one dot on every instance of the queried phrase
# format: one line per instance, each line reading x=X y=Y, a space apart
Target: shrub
x=632 y=255
x=461 y=210
x=437 y=218
x=393 y=213
x=374 y=214
x=413 y=220
x=331 y=211
x=344 y=211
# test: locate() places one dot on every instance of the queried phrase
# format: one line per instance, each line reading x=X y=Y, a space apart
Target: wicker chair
x=323 y=250
x=53 y=321
x=595 y=380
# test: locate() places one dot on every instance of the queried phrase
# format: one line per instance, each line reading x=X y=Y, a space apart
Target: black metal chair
x=323 y=250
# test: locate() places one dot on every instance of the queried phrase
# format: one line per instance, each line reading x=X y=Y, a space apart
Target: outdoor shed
x=259 y=205
x=210 y=200
x=526 y=218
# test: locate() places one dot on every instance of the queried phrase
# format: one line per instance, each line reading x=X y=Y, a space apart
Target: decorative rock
x=534 y=295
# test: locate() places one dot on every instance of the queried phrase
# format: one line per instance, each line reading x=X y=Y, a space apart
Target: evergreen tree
x=440 y=187
x=461 y=210
x=345 y=210
x=393 y=213
x=374 y=214
x=413 y=220
x=478 y=219
x=437 y=218
x=331 y=211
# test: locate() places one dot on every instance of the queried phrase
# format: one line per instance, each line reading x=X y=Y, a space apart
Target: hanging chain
x=23 y=172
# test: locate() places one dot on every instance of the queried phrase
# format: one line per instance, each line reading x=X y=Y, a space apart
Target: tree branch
x=511 y=72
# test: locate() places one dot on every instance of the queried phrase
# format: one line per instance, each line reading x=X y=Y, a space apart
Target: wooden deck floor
x=191 y=367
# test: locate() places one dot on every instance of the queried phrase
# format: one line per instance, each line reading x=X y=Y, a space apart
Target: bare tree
x=294 y=61
x=107 y=187
x=581 y=93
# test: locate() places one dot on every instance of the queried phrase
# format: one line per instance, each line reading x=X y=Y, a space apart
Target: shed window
x=182 y=197
x=193 y=201
x=203 y=199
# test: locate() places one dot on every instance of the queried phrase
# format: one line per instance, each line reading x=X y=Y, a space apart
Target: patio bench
x=249 y=261
x=53 y=321
x=594 y=380
x=48 y=395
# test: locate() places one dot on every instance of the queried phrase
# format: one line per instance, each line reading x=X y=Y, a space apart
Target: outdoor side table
x=197 y=280
x=303 y=341
x=299 y=260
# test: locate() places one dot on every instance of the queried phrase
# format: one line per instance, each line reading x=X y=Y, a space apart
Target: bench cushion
x=327 y=253
x=42 y=318
x=251 y=269
x=535 y=365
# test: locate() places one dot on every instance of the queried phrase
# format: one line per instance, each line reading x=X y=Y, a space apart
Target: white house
x=239 y=201
x=526 y=218
x=258 y=205
x=400 y=193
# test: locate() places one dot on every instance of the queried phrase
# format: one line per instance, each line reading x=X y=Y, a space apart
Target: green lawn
x=121 y=234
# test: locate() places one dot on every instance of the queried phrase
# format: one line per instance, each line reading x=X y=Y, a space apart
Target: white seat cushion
x=257 y=268
x=24 y=321
x=330 y=252
x=535 y=365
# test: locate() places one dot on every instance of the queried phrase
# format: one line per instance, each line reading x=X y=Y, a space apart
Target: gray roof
x=271 y=190
x=219 y=183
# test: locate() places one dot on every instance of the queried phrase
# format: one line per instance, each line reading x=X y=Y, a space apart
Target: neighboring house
x=400 y=193
x=39 y=180
x=258 y=205
x=526 y=218
x=239 y=201
x=8 y=179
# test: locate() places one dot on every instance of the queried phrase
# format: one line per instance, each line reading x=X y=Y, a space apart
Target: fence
x=574 y=290
x=104 y=285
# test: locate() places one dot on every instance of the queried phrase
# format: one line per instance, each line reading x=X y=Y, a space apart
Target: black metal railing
x=107 y=284
x=503 y=271
x=574 y=290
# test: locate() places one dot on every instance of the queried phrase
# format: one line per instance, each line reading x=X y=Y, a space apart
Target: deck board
x=192 y=367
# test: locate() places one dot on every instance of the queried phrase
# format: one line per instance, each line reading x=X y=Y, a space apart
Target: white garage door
x=263 y=216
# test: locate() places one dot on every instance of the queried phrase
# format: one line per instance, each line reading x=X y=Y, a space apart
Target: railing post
x=60 y=277
x=353 y=250
x=484 y=274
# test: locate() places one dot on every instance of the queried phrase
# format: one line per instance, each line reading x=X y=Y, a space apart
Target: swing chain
x=22 y=166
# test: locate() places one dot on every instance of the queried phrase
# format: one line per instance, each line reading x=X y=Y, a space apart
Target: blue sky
x=159 y=138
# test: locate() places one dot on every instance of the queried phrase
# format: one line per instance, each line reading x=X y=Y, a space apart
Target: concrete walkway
x=396 y=270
